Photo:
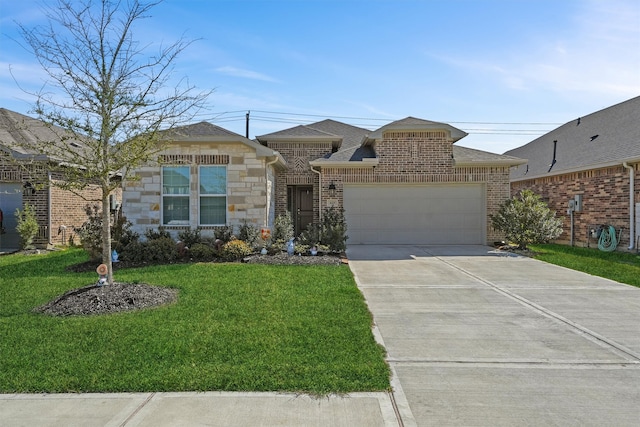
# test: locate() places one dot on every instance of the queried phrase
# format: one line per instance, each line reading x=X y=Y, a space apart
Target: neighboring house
x=26 y=177
x=403 y=183
x=595 y=157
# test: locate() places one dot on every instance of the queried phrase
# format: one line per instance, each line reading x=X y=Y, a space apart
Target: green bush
x=235 y=250
x=190 y=237
x=135 y=252
x=250 y=234
x=162 y=249
x=202 y=252
x=158 y=233
x=526 y=219
x=331 y=232
x=282 y=230
x=90 y=233
x=224 y=233
x=27 y=225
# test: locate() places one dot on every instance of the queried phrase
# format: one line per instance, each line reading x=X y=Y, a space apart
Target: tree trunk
x=106 y=235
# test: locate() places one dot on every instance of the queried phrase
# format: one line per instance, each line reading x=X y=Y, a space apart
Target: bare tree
x=108 y=92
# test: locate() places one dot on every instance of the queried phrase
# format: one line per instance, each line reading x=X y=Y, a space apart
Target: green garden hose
x=608 y=240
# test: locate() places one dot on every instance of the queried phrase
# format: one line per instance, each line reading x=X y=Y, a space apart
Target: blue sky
x=505 y=71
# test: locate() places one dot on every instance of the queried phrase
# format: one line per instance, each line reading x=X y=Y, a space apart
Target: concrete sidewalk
x=478 y=337
x=196 y=409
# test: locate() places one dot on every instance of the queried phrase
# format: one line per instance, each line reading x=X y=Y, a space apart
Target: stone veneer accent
x=247 y=186
x=605 y=200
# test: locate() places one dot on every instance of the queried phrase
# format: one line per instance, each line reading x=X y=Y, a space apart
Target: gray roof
x=21 y=135
x=201 y=129
x=302 y=131
x=604 y=138
x=205 y=132
x=464 y=156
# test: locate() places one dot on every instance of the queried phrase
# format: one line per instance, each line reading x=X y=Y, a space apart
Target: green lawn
x=622 y=267
x=234 y=327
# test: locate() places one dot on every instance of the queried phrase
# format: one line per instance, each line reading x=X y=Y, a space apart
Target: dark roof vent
x=578 y=124
x=74 y=144
x=553 y=162
x=593 y=137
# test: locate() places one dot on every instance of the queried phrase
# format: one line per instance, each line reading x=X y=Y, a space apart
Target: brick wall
x=428 y=152
x=67 y=208
x=297 y=156
x=605 y=200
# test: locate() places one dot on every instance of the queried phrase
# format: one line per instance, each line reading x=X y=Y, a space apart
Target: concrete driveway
x=477 y=337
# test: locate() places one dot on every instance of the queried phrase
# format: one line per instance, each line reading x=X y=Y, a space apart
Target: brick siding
x=605 y=200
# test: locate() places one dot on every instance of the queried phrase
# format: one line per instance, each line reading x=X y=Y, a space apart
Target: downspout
x=319 y=193
x=632 y=225
x=266 y=187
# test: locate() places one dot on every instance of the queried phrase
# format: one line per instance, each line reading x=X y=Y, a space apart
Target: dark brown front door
x=301 y=205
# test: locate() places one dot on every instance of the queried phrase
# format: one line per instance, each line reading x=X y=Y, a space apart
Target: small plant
x=282 y=230
x=162 y=249
x=27 y=225
x=224 y=233
x=250 y=234
x=235 y=250
x=190 y=237
x=202 y=252
x=526 y=219
x=90 y=233
x=158 y=233
x=330 y=233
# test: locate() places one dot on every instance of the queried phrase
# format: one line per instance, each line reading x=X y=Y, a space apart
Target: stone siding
x=246 y=186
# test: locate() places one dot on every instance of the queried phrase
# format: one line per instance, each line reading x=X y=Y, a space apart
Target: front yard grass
x=623 y=267
x=235 y=327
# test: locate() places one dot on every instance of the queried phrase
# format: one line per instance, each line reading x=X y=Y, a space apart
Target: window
x=175 y=195
x=213 y=195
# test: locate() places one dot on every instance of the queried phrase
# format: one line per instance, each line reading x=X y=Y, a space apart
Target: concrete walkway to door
x=479 y=337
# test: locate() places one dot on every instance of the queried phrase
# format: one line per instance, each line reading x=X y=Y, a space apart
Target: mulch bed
x=91 y=300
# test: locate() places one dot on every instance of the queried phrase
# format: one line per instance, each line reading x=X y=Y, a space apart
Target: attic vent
x=593 y=137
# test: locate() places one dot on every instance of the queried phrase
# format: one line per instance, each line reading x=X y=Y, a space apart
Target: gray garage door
x=415 y=214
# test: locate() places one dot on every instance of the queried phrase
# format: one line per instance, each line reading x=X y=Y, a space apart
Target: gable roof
x=206 y=132
x=21 y=135
x=605 y=138
x=412 y=123
x=469 y=157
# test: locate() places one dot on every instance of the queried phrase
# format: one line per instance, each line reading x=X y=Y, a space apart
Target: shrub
x=27 y=225
x=235 y=250
x=250 y=234
x=90 y=233
x=202 y=252
x=162 y=249
x=224 y=233
x=331 y=232
x=190 y=237
x=135 y=252
x=526 y=219
x=282 y=229
x=158 y=233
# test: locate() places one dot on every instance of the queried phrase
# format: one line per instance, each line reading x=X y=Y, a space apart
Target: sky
x=504 y=71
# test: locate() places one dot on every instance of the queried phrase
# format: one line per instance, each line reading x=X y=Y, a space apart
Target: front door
x=301 y=206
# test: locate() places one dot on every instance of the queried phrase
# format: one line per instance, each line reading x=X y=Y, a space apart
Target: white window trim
x=174 y=223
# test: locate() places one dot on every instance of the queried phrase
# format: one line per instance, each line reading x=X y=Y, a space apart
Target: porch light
x=332 y=189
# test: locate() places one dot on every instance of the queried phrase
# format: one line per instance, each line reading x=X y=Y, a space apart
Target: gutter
x=266 y=188
x=632 y=228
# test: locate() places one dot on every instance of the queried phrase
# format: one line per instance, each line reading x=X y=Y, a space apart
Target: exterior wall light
x=332 y=189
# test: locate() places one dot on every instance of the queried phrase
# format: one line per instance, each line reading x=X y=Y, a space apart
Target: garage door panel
x=415 y=214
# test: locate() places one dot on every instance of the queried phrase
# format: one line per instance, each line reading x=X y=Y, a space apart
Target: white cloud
x=245 y=74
